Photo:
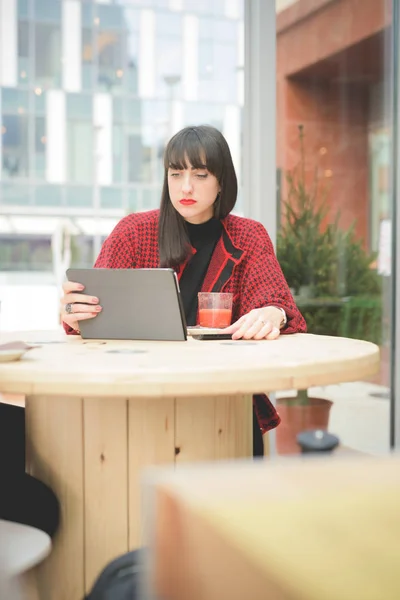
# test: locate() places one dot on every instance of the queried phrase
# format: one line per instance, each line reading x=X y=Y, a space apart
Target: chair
x=29 y=510
x=21 y=548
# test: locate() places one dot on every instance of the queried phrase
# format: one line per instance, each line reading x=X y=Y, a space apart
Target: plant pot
x=297 y=418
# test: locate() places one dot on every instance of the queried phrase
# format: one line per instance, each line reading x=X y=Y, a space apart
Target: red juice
x=217 y=318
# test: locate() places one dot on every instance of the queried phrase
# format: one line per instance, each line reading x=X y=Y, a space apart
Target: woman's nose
x=187 y=186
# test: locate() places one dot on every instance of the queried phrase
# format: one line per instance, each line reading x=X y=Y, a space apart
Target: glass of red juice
x=215 y=310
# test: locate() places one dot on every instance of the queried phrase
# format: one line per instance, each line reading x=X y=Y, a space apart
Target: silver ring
x=263 y=322
x=68 y=308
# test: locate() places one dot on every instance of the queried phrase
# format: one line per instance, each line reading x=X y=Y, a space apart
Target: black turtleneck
x=203 y=238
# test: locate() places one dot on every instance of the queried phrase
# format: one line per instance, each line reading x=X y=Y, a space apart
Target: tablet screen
x=137 y=304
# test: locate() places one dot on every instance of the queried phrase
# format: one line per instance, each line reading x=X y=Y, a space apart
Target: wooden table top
x=317 y=529
x=68 y=365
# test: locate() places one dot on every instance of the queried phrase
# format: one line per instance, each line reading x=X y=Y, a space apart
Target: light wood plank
x=213 y=428
x=127 y=368
x=151 y=442
x=106 y=486
x=317 y=529
x=55 y=456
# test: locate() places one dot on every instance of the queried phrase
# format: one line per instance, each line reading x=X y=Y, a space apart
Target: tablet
x=138 y=304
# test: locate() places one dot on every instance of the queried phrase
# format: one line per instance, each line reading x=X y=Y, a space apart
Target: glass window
x=14 y=101
x=198 y=7
x=199 y=112
x=111 y=53
x=132 y=23
x=131 y=67
x=79 y=196
x=18 y=195
x=139 y=158
x=39 y=166
x=212 y=7
x=133 y=202
x=132 y=19
x=150 y=198
x=87 y=12
x=47 y=55
x=23 y=9
x=80 y=151
x=169 y=66
x=118 y=153
x=225 y=72
x=23 y=39
x=47 y=10
x=126 y=110
x=15 y=142
x=206 y=60
x=334 y=150
x=148 y=3
x=218 y=30
x=225 y=31
x=39 y=102
x=118 y=109
x=168 y=23
x=110 y=197
x=25 y=253
x=48 y=195
x=133 y=112
x=206 y=28
x=24 y=71
x=87 y=59
x=81 y=252
x=110 y=16
x=79 y=106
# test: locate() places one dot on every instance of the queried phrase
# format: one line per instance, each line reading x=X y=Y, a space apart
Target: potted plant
x=326 y=267
x=299 y=413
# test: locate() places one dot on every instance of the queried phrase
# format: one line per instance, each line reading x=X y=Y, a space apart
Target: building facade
x=333 y=77
x=90 y=91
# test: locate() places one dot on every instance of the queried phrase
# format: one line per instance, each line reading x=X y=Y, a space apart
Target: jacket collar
x=225 y=258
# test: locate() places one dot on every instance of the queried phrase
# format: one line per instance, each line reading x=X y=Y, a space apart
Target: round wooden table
x=97 y=412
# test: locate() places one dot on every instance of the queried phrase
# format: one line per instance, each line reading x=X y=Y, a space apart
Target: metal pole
x=395 y=316
x=259 y=147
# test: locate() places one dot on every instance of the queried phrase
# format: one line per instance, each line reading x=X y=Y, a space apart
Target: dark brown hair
x=201 y=145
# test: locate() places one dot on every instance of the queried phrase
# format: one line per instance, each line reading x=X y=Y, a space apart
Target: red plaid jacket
x=243 y=263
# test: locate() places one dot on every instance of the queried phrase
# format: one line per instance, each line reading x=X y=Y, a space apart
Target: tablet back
x=138 y=304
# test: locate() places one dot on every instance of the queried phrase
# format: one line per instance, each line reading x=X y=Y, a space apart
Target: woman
x=195 y=233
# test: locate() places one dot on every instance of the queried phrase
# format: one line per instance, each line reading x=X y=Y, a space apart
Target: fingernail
x=94 y=300
x=80 y=287
x=97 y=308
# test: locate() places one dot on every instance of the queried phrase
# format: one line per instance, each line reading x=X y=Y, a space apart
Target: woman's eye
x=202 y=175
x=174 y=174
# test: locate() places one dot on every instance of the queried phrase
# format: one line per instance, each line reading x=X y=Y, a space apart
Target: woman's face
x=193 y=193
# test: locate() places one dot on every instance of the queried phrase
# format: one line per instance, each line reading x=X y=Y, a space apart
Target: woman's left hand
x=258 y=324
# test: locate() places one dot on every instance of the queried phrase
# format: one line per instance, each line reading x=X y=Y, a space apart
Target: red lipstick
x=187 y=201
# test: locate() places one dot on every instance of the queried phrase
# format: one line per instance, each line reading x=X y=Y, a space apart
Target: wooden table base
x=91 y=452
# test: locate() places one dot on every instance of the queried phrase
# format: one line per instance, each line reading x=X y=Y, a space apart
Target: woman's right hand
x=77 y=307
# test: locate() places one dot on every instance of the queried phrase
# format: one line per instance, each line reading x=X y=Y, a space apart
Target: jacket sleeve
x=263 y=282
x=117 y=252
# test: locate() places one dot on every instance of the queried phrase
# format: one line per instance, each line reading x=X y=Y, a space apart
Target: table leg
x=91 y=452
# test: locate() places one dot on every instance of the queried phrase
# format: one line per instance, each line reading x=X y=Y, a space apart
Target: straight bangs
x=196 y=148
x=202 y=147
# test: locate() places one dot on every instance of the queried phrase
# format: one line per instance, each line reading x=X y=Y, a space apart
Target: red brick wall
x=334 y=112
x=336 y=142
x=311 y=30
